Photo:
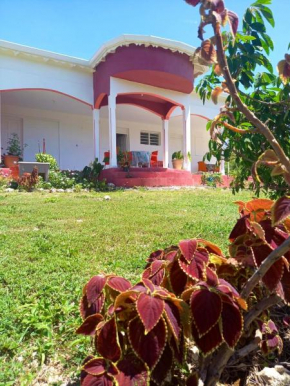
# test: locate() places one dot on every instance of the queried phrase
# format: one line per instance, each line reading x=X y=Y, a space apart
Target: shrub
x=28 y=181
x=190 y=295
x=43 y=157
x=211 y=179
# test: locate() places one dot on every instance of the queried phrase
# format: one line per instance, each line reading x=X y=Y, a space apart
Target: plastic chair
x=154 y=159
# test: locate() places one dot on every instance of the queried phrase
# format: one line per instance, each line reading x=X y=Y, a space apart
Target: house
x=136 y=93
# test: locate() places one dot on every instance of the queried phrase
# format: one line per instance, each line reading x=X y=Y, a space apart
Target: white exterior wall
x=17 y=72
x=68 y=137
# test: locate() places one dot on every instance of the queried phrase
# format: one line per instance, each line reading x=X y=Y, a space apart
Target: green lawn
x=51 y=244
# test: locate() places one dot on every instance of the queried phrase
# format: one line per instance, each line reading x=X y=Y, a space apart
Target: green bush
x=43 y=157
x=211 y=179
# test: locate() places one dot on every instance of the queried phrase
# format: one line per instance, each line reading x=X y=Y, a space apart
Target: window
x=147 y=138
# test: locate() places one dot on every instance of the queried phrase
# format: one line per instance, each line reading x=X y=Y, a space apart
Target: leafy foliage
x=189 y=292
x=43 y=157
x=28 y=181
x=262 y=91
x=211 y=179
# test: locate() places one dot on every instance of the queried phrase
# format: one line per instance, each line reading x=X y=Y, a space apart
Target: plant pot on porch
x=177 y=164
x=11 y=161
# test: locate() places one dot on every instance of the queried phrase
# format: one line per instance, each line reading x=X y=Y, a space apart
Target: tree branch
x=218 y=364
x=262 y=128
x=275 y=255
x=244 y=351
x=259 y=308
x=237 y=130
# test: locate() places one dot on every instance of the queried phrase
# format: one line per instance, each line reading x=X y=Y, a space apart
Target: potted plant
x=124 y=161
x=14 y=151
x=177 y=160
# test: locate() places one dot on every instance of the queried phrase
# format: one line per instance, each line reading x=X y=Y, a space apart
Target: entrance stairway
x=147 y=177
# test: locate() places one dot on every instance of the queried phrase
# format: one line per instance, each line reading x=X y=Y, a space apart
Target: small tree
x=256 y=111
x=191 y=295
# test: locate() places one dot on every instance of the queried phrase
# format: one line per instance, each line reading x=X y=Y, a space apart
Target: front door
x=122 y=142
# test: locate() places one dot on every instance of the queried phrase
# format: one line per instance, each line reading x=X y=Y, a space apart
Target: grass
x=51 y=244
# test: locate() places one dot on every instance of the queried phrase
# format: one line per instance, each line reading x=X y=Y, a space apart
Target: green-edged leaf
x=210 y=341
x=188 y=248
x=275 y=272
x=173 y=318
x=163 y=366
x=148 y=347
x=232 y=323
x=95 y=366
x=150 y=309
x=102 y=380
x=280 y=210
x=89 y=325
x=96 y=307
x=132 y=372
x=206 y=308
x=95 y=287
x=119 y=284
x=177 y=278
x=107 y=341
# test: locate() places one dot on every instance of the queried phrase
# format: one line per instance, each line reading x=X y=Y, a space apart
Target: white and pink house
x=136 y=93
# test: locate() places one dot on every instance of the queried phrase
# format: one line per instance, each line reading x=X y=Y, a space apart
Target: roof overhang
x=103 y=51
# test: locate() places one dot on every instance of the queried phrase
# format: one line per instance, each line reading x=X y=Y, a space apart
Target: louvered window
x=152 y=139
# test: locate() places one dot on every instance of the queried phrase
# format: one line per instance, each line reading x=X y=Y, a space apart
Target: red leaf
x=188 y=248
x=218 y=6
x=286 y=286
x=280 y=210
x=192 y=380
x=193 y=2
x=275 y=273
x=163 y=366
x=95 y=366
x=148 y=347
x=206 y=308
x=89 y=325
x=232 y=323
x=211 y=277
x=103 y=380
x=177 y=278
x=119 y=284
x=196 y=268
x=209 y=342
x=150 y=310
x=148 y=284
x=132 y=372
x=173 y=318
x=178 y=348
x=95 y=308
x=242 y=226
x=156 y=266
x=94 y=288
x=107 y=341
x=234 y=22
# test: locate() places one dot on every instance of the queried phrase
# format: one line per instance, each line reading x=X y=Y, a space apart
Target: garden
x=52 y=243
x=179 y=287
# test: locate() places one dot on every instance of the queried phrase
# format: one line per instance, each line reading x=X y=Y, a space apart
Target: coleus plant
x=188 y=294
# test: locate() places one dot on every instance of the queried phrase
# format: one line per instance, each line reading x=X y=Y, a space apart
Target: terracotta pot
x=11 y=161
x=177 y=163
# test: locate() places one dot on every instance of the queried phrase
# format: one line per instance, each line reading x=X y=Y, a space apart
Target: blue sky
x=79 y=27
